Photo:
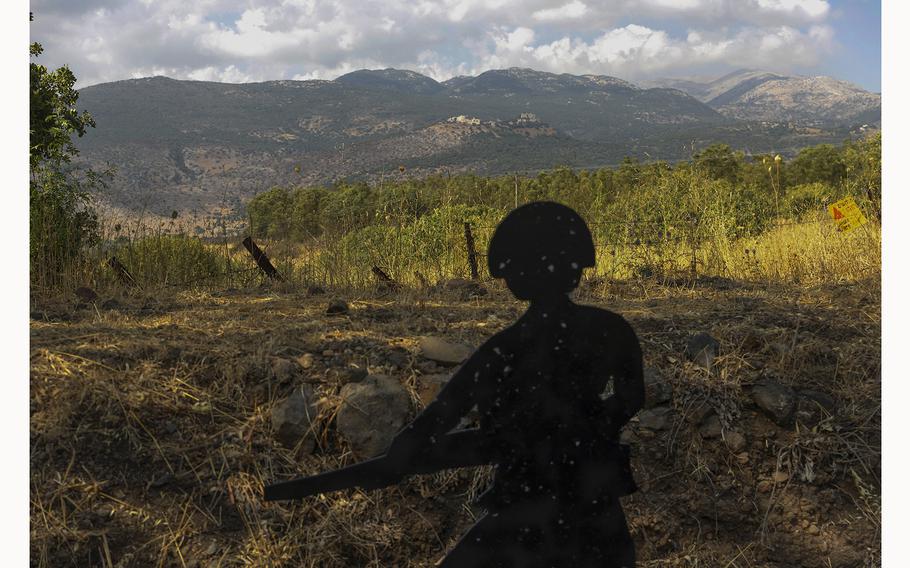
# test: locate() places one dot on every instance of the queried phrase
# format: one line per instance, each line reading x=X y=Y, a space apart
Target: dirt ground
x=151 y=438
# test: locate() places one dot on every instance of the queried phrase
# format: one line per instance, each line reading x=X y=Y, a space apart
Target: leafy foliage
x=62 y=221
x=658 y=208
x=53 y=117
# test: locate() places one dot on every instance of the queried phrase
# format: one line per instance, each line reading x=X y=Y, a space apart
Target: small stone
x=813 y=406
x=426 y=366
x=352 y=374
x=398 y=358
x=736 y=441
x=372 y=412
x=813 y=530
x=292 y=418
x=305 y=361
x=657 y=389
x=656 y=418
x=776 y=400
x=428 y=386
x=627 y=436
x=283 y=370
x=337 y=307
x=711 y=427
x=702 y=350
x=699 y=413
x=86 y=294
x=443 y=351
x=780 y=476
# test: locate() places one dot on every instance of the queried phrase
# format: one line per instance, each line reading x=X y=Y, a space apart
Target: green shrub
x=171 y=259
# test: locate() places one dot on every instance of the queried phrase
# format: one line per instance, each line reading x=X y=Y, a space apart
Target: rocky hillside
x=769 y=97
x=203 y=146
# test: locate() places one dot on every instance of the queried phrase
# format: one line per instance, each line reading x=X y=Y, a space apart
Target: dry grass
x=809 y=252
x=150 y=436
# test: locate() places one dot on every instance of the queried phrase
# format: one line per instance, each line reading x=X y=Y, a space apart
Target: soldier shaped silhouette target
x=560 y=470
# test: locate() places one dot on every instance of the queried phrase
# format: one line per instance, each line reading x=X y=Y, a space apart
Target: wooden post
x=122 y=273
x=265 y=265
x=472 y=255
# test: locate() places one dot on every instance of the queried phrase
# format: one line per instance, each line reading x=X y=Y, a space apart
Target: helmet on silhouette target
x=541 y=247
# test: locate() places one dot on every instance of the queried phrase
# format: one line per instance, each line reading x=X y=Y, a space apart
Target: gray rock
x=352 y=374
x=398 y=358
x=627 y=436
x=443 y=351
x=292 y=419
x=425 y=366
x=699 y=412
x=702 y=349
x=736 y=441
x=337 y=307
x=775 y=400
x=371 y=413
x=428 y=386
x=657 y=389
x=711 y=427
x=657 y=418
x=813 y=406
x=305 y=361
x=283 y=370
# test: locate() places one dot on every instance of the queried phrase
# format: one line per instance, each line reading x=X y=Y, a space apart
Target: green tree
x=823 y=163
x=61 y=220
x=720 y=162
x=53 y=116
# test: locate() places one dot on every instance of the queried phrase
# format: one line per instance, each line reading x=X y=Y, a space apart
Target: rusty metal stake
x=122 y=273
x=261 y=259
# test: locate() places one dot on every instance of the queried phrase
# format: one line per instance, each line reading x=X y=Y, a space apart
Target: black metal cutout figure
x=538 y=385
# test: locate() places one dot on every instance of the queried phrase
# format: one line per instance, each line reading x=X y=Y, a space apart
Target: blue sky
x=858 y=29
x=637 y=40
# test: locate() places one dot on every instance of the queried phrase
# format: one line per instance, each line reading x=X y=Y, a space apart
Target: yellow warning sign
x=846 y=214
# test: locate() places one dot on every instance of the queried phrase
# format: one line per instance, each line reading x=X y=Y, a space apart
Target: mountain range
x=208 y=147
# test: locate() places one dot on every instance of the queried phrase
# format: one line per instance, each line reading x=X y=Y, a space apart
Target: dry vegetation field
x=151 y=436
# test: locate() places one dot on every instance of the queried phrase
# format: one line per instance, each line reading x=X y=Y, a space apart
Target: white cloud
x=636 y=51
x=229 y=74
x=252 y=38
x=104 y=40
x=812 y=8
x=570 y=11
